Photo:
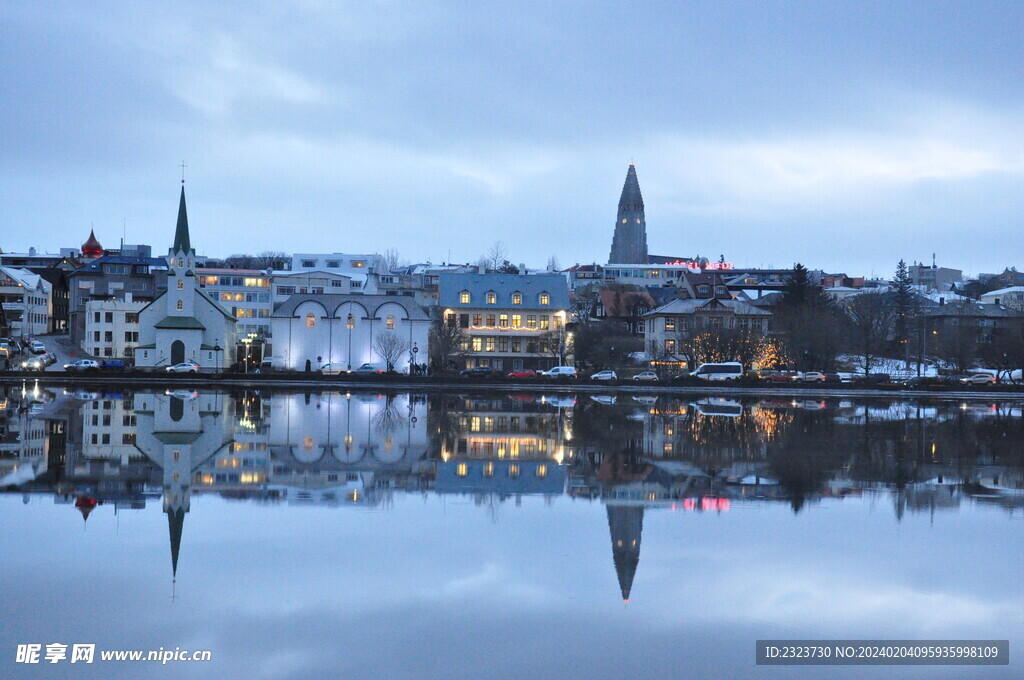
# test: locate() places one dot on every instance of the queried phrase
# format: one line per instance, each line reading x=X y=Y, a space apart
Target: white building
x=1008 y=297
x=358 y=267
x=348 y=330
x=311 y=282
x=183 y=324
x=112 y=327
x=26 y=301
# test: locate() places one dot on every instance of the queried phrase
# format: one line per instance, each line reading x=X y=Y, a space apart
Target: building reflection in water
x=632 y=454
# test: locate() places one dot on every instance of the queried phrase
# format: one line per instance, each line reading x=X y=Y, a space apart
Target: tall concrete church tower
x=629 y=245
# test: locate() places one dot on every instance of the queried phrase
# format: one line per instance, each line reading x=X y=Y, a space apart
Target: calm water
x=499 y=536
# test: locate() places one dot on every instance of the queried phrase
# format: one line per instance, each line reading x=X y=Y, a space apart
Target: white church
x=183 y=324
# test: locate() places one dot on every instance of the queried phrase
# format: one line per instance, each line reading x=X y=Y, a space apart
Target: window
x=181 y=263
x=490 y=321
x=310 y=320
x=517 y=321
x=517 y=298
x=492 y=297
x=489 y=469
x=333 y=264
x=542 y=470
x=309 y=263
x=462 y=470
x=670 y=323
x=96 y=317
x=463 y=320
x=358 y=264
x=337 y=283
x=516 y=345
x=503 y=321
x=531 y=321
x=108 y=352
x=286 y=290
x=131 y=317
x=95 y=336
x=670 y=346
x=502 y=344
x=108 y=336
x=703 y=289
x=545 y=322
x=489 y=344
x=478 y=319
x=131 y=336
x=181 y=284
x=350 y=322
x=513 y=470
x=478 y=344
x=464 y=297
x=720 y=290
x=180 y=306
x=390 y=323
x=545 y=299
x=109 y=317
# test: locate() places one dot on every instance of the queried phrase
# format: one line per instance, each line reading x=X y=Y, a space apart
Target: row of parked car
x=85 y=365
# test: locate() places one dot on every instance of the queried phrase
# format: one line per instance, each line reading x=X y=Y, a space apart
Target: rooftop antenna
x=933 y=260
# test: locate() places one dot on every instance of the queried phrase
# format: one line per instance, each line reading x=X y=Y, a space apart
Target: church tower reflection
x=626 y=524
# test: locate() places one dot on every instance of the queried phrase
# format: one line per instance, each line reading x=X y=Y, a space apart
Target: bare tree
x=392 y=259
x=271 y=259
x=448 y=341
x=581 y=307
x=390 y=347
x=495 y=257
x=871 y=317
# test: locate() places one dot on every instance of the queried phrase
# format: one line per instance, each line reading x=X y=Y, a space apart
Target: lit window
x=491 y=297
x=462 y=470
x=181 y=284
x=464 y=297
x=545 y=299
x=517 y=298
x=391 y=322
x=180 y=306
x=542 y=470
x=358 y=264
x=478 y=344
x=310 y=320
x=350 y=322
x=517 y=320
x=503 y=321
x=513 y=470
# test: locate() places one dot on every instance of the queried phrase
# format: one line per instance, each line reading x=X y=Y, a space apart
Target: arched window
x=181 y=284
x=492 y=297
x=517 y=298
x=310 y=320
x=545 y=299
x=464 y=297
x=350 y=322
x=180 y=305
x=391 y=322
x=181 y=263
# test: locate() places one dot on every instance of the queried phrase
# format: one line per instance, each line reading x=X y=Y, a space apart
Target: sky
x=843 y=136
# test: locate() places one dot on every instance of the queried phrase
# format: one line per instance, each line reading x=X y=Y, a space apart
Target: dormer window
x=492 y=297
x=703 y=289
x=464 y=297
x=517 y=298
x=545 y=299
x=720 y=290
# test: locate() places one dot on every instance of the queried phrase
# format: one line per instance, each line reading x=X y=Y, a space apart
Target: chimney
x=481 y=269
x=522 y=268
x=32 y=250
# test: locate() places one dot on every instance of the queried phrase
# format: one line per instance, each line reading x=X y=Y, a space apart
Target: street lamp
x=412 y=359
x=350 y=323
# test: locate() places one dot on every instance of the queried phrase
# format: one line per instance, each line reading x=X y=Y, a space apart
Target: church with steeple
x=183 y=324
x=629 y=244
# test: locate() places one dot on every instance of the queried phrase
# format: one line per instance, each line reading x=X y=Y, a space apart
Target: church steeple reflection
x=626 y=524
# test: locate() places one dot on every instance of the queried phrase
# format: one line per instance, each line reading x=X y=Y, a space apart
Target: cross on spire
x=183 y=166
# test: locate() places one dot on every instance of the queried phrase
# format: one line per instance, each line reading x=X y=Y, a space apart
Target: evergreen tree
x=807 y=316
x=904 y=308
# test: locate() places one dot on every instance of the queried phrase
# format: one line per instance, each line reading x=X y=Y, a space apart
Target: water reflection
x=633 y=454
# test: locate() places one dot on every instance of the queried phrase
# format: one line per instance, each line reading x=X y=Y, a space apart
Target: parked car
x=646 y=376
x=728 y=370
x=37 y=347
x=833 y=378
x=812 y=376
x=477 y=372
x=523 y=374
x=185 y=367
x=977 y=379
x=605 y=375
x=333 y=369
x=560 y=372
x=112 y=365
x=82 y=365
x=370 y=368
x=776 y=377
x=877 y=378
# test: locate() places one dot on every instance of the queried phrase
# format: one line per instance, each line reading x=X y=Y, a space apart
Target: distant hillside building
x=629 y=244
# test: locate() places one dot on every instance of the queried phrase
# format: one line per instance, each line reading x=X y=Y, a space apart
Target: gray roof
x=331 y=303
x=503 y=285
x=691 y=306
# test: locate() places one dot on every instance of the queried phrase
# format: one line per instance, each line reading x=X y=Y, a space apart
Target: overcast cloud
x=845 y=137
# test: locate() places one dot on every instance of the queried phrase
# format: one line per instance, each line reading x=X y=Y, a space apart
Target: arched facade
x=346 y=332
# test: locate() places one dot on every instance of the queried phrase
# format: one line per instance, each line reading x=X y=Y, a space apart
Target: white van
x=729 y=370
x=560 y=372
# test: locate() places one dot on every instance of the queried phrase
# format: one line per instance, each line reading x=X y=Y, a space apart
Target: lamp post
x=412 y=359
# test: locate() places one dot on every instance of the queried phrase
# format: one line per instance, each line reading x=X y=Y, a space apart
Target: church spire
x=175 y=522
x=182 y=243
x=629 y=244
x=626 y=524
